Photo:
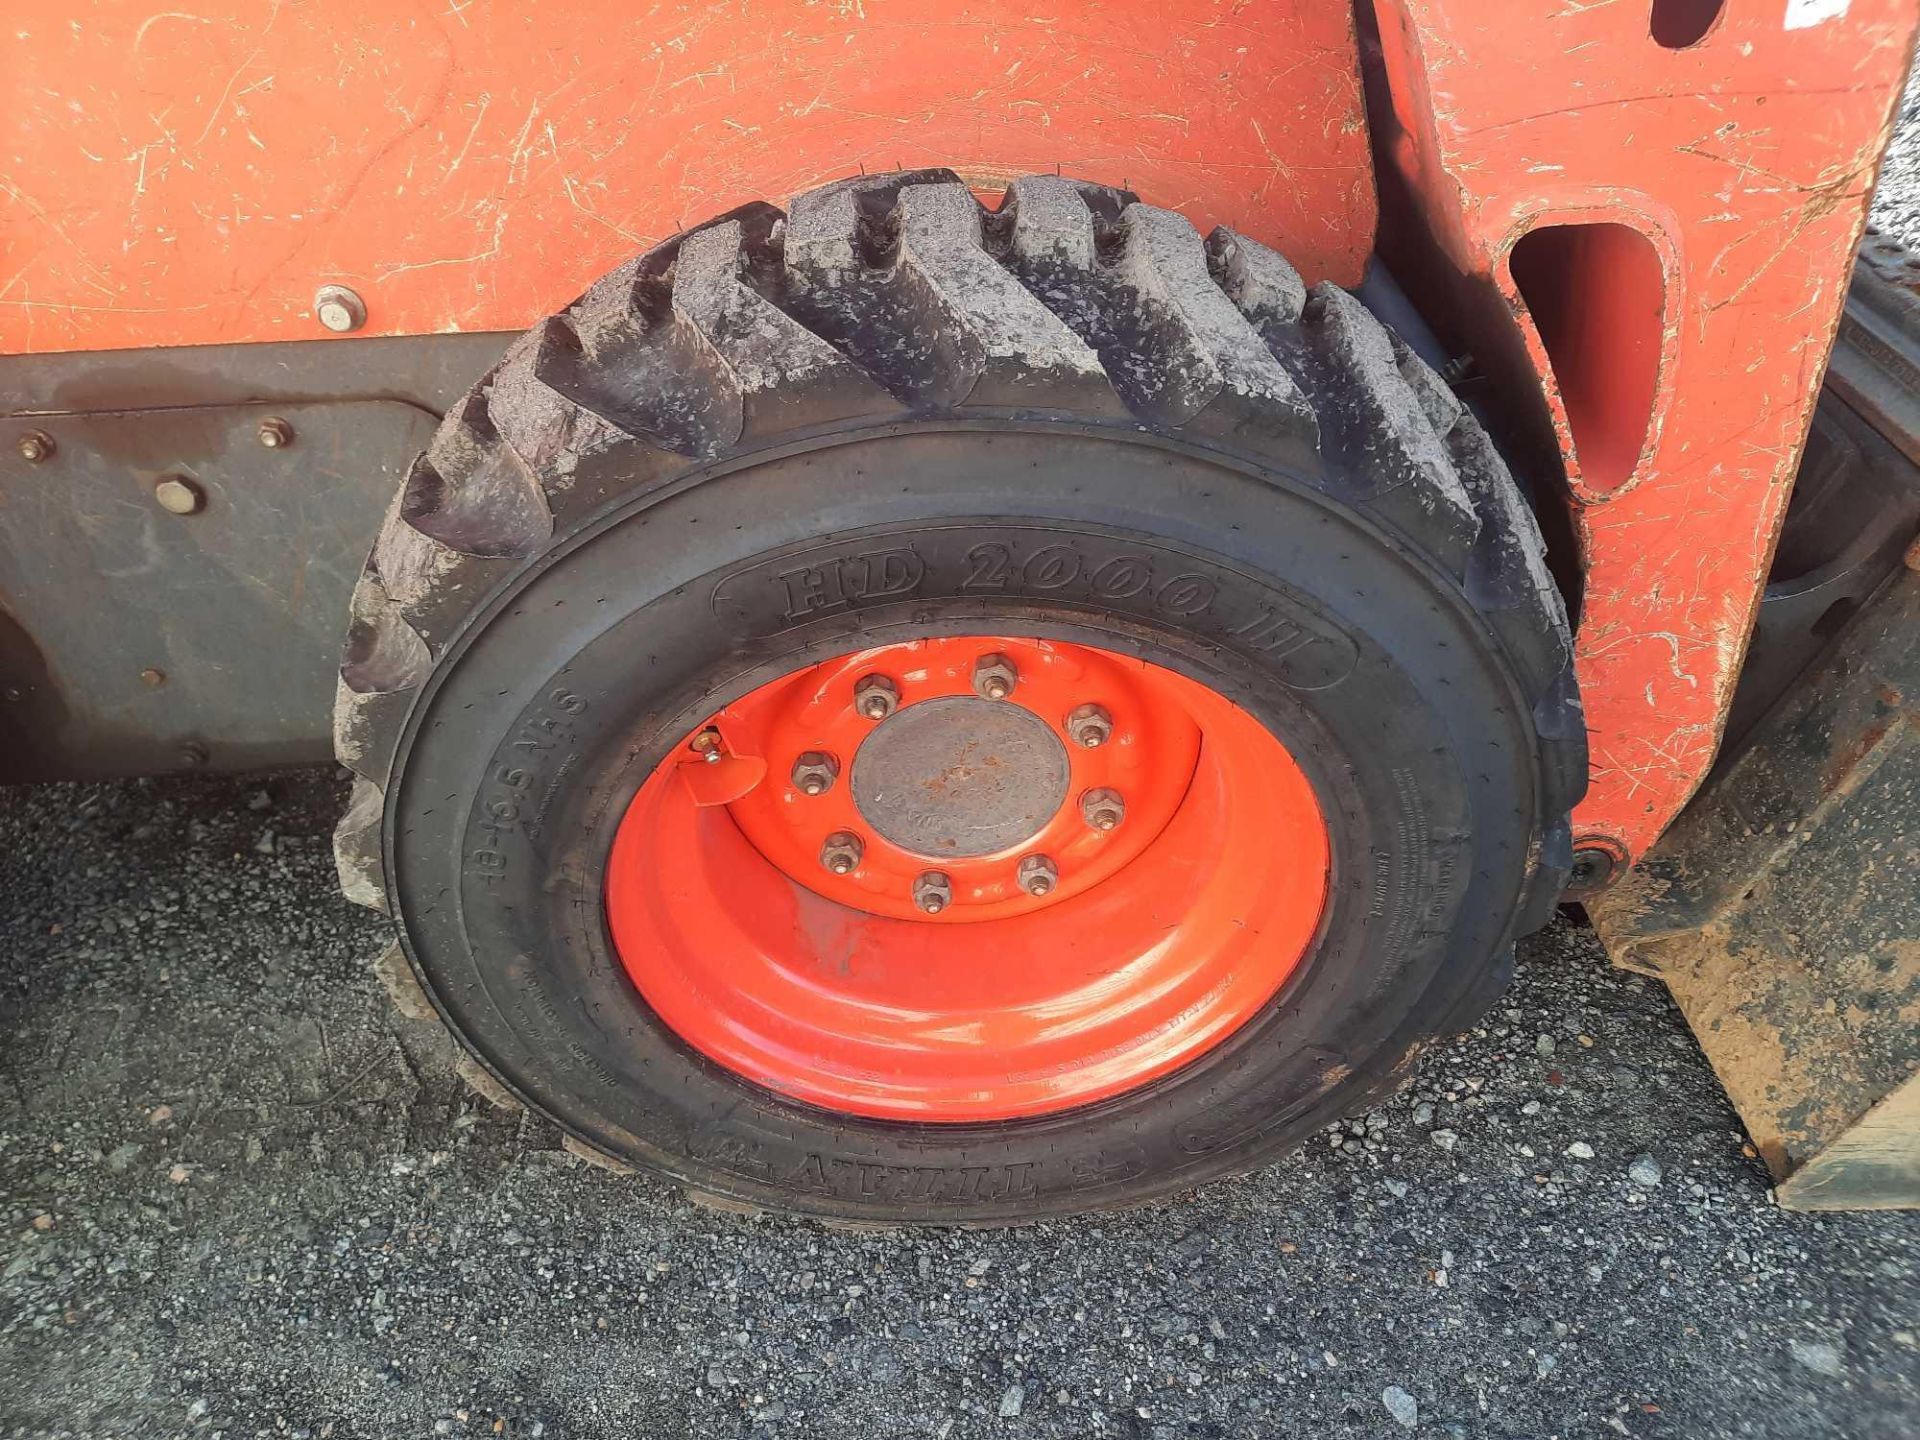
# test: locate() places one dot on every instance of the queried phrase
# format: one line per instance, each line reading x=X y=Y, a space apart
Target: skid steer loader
x=961 y=612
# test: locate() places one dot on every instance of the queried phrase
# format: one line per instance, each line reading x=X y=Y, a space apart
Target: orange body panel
x=1747 y=161
x=192 y=176
x=183 y=177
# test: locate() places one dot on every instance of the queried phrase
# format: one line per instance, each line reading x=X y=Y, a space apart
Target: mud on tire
x=886 y=365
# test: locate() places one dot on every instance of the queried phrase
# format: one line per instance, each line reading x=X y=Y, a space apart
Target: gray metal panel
x=431 y=371
x=133 y=640
x=161 y=641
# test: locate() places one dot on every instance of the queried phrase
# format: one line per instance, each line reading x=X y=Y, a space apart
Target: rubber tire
x=890 y=414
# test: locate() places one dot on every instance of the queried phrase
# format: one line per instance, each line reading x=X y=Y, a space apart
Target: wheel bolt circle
x=814 y=772
x=1089 y=726
x=933 y=891
x=1038 y=875
x=994 y=677
x=1103 y=809
x=876 y=697
x=842 y=851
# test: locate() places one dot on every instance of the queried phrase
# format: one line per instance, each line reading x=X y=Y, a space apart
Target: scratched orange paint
x=190 y=176
x=188 y=173
x=1749 y=160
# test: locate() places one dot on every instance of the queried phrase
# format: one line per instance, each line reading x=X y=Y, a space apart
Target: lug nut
x=1103 y=809
x=933 y=891
x=35 y=446
x=876 y=697
x=814 y=773
x=1038 y=875
x=707 y=745
x=1089 y=726
x=178 y=495
x=842 y=852
x=275 y=433
x=994 y=677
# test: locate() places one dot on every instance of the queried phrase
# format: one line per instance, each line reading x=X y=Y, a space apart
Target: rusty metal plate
x=134 y=639
x=1781 y=911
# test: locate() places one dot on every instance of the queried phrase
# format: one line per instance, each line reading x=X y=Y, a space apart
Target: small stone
x=1532 y=1107
x=1543 y=1046
x=1645 y=1172
x=260 y=800
x=980 y=1267
x=1820 y=1356
x=1404 y=1409
x=1423 y=1114
x=1580 y=1150
x=1012 y=1401
x=1445 y=1139
x=1397 y=1189
x=180 y=1174
x=266 y=844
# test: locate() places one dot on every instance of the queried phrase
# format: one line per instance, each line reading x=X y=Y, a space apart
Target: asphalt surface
x=241 y=1197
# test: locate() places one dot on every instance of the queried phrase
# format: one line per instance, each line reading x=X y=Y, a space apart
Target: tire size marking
x=502 y=802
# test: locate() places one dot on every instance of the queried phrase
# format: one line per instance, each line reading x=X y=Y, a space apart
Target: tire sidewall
x=563 y=693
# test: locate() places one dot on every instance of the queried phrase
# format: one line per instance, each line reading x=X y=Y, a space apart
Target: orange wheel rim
x=967 y=879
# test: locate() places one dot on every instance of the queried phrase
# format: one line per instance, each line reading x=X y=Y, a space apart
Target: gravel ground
x=241 y=1198
x=1896 y=201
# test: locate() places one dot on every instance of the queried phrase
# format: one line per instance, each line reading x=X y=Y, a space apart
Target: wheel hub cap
x=958 y=777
